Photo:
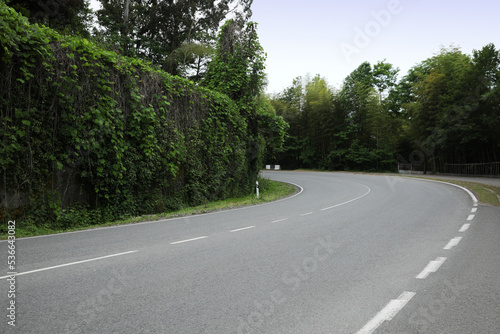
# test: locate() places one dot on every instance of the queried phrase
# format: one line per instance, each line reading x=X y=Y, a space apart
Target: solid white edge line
x=432 y=267
x=464 y=228
x=474 y=198
x=242 y=229
x=70 y=264
x=301 y=189
x=187 y=240
x=387 y=313
x=453 y=242
x=352 y=200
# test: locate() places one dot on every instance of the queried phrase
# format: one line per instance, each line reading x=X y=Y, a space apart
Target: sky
x=333 y=37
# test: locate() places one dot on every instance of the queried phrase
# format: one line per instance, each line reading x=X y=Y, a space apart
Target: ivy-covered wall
x=84 y=126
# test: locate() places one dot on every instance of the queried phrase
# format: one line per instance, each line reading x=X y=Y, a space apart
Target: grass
x=269 y=191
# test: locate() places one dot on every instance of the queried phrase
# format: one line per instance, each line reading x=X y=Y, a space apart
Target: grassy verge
x=485 y=193
x=269 y=191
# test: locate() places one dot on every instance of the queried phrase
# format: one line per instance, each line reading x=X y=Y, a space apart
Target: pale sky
x=333 y=37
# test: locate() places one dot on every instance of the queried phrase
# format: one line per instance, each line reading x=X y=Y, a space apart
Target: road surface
x=349 y=254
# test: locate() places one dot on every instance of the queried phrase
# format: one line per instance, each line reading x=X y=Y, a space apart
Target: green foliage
x=451 y=109
x=238 y=67
x=346 y=130
x=175 y=35
x=69 y=16
x=446 y=110
x=98 y=136
x=237 y=70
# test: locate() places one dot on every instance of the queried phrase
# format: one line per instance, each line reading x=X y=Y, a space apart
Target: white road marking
x=241 y=229
x=464 y=228
x=188 y=240
x=387 y=313
x=306 y=214
x=470 y=217
x=70 y=264
x=453 y=242
x=432 y=267
x=474 y=198
x=279 y=220
x=473 y=210
x=352 y=200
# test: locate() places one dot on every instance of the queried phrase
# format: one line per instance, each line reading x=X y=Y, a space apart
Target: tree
x=486 y=76
x=175 y=35
x=442 y=117
x=358 y=87
x=68 y=16
x=289 y=104
x=318 y=109
x=238 y=67
x=237 y=70
x=384 y=78
x=452 y=103
x=120 y=19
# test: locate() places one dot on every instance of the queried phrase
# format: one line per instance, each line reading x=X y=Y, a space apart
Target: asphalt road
x=494 y=181
x=349 y=254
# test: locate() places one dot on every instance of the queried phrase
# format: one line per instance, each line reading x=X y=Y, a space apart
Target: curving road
x=349 y=254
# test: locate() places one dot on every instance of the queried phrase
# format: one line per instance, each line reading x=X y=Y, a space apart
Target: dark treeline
x=445 y=110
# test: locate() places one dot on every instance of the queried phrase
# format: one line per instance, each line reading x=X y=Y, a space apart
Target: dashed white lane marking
x=70 y=264
x=470 y=217
x=352 y=200
x=242 y=229
x=432 y=267
x=464 y=228
x=387 y=313
x=306 y=214
x=188 y=240
x=453 y=242
x=473 y=210
x=279 y=220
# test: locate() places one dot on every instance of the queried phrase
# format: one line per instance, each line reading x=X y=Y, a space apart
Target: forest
x=147 y=106
x=445 y=111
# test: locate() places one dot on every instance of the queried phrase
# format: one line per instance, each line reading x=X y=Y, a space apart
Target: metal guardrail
x=484 y=169
x=491 y=168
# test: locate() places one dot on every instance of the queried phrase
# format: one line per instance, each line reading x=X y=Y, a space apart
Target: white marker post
x=257 y=188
